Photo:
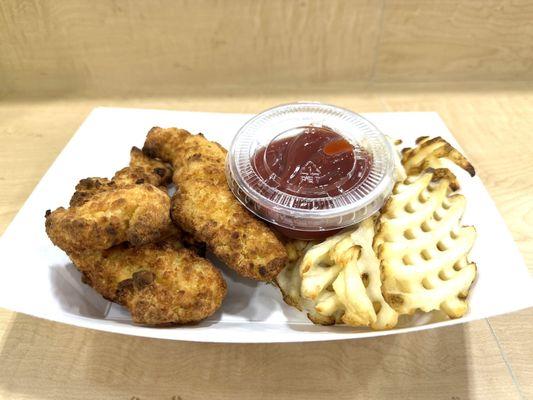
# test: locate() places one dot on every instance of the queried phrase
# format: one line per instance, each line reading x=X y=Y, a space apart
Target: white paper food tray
x=38 y=278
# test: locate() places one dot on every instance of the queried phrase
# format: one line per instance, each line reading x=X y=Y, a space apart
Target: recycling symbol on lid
x=309 y=173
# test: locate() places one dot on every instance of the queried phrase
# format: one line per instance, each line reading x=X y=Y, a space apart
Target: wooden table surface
x=487 y=359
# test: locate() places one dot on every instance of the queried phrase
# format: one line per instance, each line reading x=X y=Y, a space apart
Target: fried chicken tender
x=159 y=283
x=142 y=169
x=88 y=187
x=204 y=206
x=119 y=234
x=136 y=214
x=145 y=169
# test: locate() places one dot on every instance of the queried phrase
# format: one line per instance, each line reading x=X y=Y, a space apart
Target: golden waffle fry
x=338 y=281
x=289 y=282
x=350 y=290
x=369 y=270
x=417 y=259
x=423 y=247
x=429 y=153
x=324 y=310
x=321 y=264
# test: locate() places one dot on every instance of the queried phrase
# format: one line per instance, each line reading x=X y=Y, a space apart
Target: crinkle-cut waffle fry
x=423 y=247
x=369 y=270
x=429 y=153
x=351 y=291
x=321 y=264
x=324 y=308
x=289 y=282
x=338 y=281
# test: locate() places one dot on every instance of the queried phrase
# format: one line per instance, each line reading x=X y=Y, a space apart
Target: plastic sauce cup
x=310 y=169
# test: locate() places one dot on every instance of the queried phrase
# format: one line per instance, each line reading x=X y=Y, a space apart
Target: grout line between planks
x=505 y=360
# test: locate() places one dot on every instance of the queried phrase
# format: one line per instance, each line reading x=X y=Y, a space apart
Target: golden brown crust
x=151 y=165
x=88 y=187
x=204 y=206
x=142 y=169
x=136 y=214
x=159 y=283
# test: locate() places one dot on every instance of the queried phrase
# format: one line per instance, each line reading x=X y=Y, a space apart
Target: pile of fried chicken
x=140 y=248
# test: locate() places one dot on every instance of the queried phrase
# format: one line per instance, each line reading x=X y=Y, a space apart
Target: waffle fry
x=289 y=279
x=369 y=269
x=324 y=310
x=423 y=247
x=430 y=153
x=338 y=281
x=321 y=264
x=413 y=256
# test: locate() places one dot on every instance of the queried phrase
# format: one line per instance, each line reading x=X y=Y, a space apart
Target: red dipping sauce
x=311 y=162
x=317 y=162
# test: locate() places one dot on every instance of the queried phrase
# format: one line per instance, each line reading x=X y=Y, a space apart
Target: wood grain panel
x=159 y=47
x=456 y=40
x=155 y=47
x=517 y=347
x=45 y=360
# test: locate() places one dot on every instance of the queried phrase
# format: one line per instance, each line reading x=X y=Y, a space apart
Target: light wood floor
x=488 y=359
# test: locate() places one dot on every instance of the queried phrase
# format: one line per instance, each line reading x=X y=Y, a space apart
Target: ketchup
x=311 y=163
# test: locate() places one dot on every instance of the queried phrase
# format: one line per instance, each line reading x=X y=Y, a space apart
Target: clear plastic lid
x=310 y=167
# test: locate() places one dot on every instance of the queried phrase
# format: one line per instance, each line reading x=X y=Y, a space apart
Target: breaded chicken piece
x=159 y=283
x=136 y=214
x=204 y=206
x=142 y=169
x=151 y=166
x=88 y=187
x=145 y=169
